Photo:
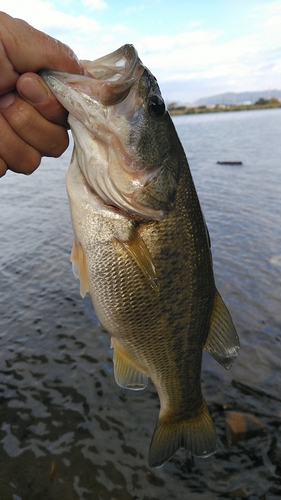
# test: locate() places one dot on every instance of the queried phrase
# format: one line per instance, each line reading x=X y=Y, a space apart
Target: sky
x=195 y=48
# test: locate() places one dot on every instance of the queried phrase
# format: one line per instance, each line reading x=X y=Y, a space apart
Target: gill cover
x=122 y=132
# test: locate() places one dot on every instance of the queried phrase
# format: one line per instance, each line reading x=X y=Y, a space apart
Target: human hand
x=32 y=121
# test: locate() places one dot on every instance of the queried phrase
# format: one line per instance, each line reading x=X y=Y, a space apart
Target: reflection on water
x=67 y=431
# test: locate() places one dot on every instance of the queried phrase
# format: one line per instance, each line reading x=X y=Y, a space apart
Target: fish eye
x=156 y=106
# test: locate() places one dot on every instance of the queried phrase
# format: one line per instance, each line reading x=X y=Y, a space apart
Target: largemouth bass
x=141 y=246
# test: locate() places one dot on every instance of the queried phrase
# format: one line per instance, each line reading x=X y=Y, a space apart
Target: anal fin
x=127 y=374
x=222 y=341
x=79 y=269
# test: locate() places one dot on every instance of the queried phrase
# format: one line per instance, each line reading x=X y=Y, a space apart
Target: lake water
x=66 y=430
x=242 y=206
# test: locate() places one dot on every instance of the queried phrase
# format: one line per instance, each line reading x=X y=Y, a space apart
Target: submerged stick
x=229 y=163
x=247 y=389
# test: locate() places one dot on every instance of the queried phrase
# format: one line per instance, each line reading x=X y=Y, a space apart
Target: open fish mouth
x=106 y=106
x=107 y=80
x=118 y=70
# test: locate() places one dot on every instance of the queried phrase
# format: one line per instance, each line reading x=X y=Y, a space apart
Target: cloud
x=183 y=40
x=197 y=57
x=46 y=17
x=197 y=52
x=80 y=32
x=94 y=4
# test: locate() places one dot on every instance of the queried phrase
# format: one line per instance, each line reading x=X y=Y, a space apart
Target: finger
x=7 y=83
x=28 y=49
x=14 y=152
x=34 y=90
x=27 y=123
x=3 y=167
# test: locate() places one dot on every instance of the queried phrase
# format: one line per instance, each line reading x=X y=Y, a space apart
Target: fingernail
x=33 y=90
x=6 y=100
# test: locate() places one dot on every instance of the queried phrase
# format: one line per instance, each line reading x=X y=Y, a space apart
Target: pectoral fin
x=79 y=269
x=138 y=251
x=222 y=341
x=126 y=373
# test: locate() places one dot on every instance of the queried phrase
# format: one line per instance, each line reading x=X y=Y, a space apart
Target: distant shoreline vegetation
x=174 y=109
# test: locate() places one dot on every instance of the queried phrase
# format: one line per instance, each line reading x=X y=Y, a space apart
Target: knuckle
x=3 y=167
x=31 y=162
x=57 y=148
x=22 y=116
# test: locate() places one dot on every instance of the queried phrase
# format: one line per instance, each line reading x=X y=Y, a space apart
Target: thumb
x=34 y=90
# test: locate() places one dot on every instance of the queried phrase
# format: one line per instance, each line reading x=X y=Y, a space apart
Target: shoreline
x=220 y=108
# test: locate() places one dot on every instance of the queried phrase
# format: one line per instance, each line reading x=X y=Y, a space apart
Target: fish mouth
x=118 y=70
x=107 y=80
x=103 y=105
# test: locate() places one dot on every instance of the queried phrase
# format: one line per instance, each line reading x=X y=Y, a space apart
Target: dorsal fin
x=222 y=341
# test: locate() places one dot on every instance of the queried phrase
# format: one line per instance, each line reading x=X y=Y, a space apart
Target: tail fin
x=196 y=435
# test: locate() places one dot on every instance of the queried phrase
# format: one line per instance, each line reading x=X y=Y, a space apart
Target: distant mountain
x=237 y=97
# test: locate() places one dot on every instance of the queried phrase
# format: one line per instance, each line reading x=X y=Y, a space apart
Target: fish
x=141 y=245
